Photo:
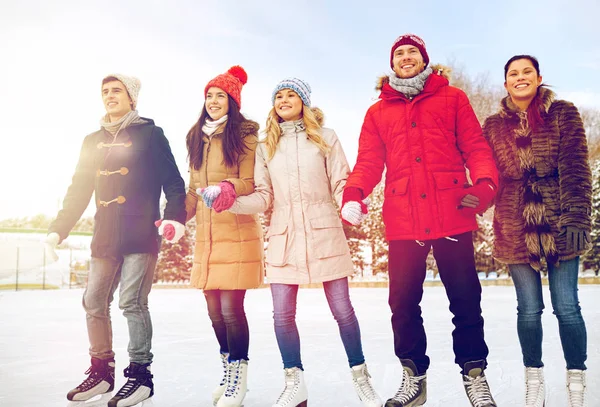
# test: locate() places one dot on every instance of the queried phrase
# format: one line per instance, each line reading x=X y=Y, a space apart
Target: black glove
x=577 y=239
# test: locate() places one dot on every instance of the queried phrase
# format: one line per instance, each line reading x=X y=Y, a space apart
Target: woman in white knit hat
x=300 y=173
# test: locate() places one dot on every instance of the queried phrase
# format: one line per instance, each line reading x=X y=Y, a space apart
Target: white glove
x=209 y=194
x=352 y=212
x=179 y=230
x=50 y=243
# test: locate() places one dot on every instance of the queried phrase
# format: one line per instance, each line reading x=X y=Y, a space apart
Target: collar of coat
x=508 y=108
x=247 y=128
x=438 y=79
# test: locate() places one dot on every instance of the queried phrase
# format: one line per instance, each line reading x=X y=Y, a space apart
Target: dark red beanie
x=231 y=82
x=409 y=39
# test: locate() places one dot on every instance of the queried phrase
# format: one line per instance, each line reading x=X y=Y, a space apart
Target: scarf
x=295 y=126
x=209 y=126
x=114 y=127
x=410 y=87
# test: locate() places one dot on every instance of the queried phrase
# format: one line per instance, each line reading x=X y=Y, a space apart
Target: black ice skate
x=138 y=388
x=412 y=391
x=100 y=380
x=476 y=385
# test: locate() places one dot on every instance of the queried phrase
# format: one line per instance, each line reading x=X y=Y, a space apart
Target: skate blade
x=101 y=400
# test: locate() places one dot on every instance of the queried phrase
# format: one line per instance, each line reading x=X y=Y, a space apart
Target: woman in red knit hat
x=228 y=256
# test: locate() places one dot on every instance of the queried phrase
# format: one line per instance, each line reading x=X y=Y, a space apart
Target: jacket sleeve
x=475 y=150
x=170 y=178
x=574 y=174
x=79 y=193
x=262 y=198
x=371 y=157
x=337 y=169
x=244 y=185
x=191 y=200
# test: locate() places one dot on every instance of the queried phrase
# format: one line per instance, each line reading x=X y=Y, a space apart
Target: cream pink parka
x=307 y=243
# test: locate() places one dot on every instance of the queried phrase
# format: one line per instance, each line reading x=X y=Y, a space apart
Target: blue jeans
x=226 y=312
x=135 y=273
x=565 y=302
x=284 y=313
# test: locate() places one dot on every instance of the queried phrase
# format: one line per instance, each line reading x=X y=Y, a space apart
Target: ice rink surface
x=43 y=348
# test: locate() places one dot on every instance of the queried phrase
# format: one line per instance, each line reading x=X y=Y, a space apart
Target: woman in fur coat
x=228 y=255
x=300 y=174
x=542 y=215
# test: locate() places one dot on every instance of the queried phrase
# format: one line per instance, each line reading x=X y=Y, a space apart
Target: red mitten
x=168 y=231
x=485 y=191
x=226 y=198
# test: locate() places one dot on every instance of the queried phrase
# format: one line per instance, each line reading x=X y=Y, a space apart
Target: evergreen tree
x=175 y=260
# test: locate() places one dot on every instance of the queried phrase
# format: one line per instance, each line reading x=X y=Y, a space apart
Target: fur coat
x=545 y=181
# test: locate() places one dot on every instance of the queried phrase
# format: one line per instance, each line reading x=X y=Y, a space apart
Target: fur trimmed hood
x=507 y=107
x=438 y=69
x=248 y=128
x=319 y=115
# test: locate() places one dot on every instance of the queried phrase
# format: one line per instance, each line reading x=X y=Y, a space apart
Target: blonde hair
x=312 y=118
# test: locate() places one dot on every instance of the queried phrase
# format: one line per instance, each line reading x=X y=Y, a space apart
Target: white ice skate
x=535 y=391
x=362 y=383
x=96 y=387
x=295 y=393
x=576 y=388
x=237 y=385
x=220 y=389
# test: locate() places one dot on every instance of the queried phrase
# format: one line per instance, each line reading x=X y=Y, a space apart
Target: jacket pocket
x=277 y=247
x=450 y=189
x=328 y=238
x=397 y=212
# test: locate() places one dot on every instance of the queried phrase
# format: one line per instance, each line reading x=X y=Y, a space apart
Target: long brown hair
x=534 y=115
x=233 y=145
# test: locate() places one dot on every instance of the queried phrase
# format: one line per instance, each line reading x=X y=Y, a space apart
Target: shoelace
x=234 y=380
x=577 y=396
x=535 y=380
x=225 y=371
x=409 y=388
x=291 y=386
x=366 y=390
x=90 y=381
x=478 y=391
x=131 y=385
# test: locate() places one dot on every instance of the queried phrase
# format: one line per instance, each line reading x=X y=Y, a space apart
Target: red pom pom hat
x=231 y=82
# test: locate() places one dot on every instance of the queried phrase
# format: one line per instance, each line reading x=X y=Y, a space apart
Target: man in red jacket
x=424 y=132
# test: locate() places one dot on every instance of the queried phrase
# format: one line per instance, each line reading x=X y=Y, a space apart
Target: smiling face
x=408 y=61
x=217 y=103
x=116 y=100
x=288 y=105
x=522 y=80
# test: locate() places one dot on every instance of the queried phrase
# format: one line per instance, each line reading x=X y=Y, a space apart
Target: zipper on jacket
x=210 y=242
x=302 y=209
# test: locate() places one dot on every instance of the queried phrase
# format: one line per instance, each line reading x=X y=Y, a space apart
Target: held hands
x=171 y=230
x=354 y=212
x=50 y=243
x=577 y=239
x=478 y=198
x=218 y=197
x=353 y=207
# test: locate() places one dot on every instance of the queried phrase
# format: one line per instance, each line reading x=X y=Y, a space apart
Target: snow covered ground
x=43 y=348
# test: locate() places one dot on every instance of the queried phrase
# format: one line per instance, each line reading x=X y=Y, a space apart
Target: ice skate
x=294 y=393
x=237 y=380
x=534 y=387
x=138 y=387
x=100 y=380
x=476 y=385
x=99 y=400
x=362 y=383
x=412 y=391
x=576 y=388
x=220 y=389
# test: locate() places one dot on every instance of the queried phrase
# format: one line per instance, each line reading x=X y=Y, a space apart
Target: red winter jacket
x=425 y=145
